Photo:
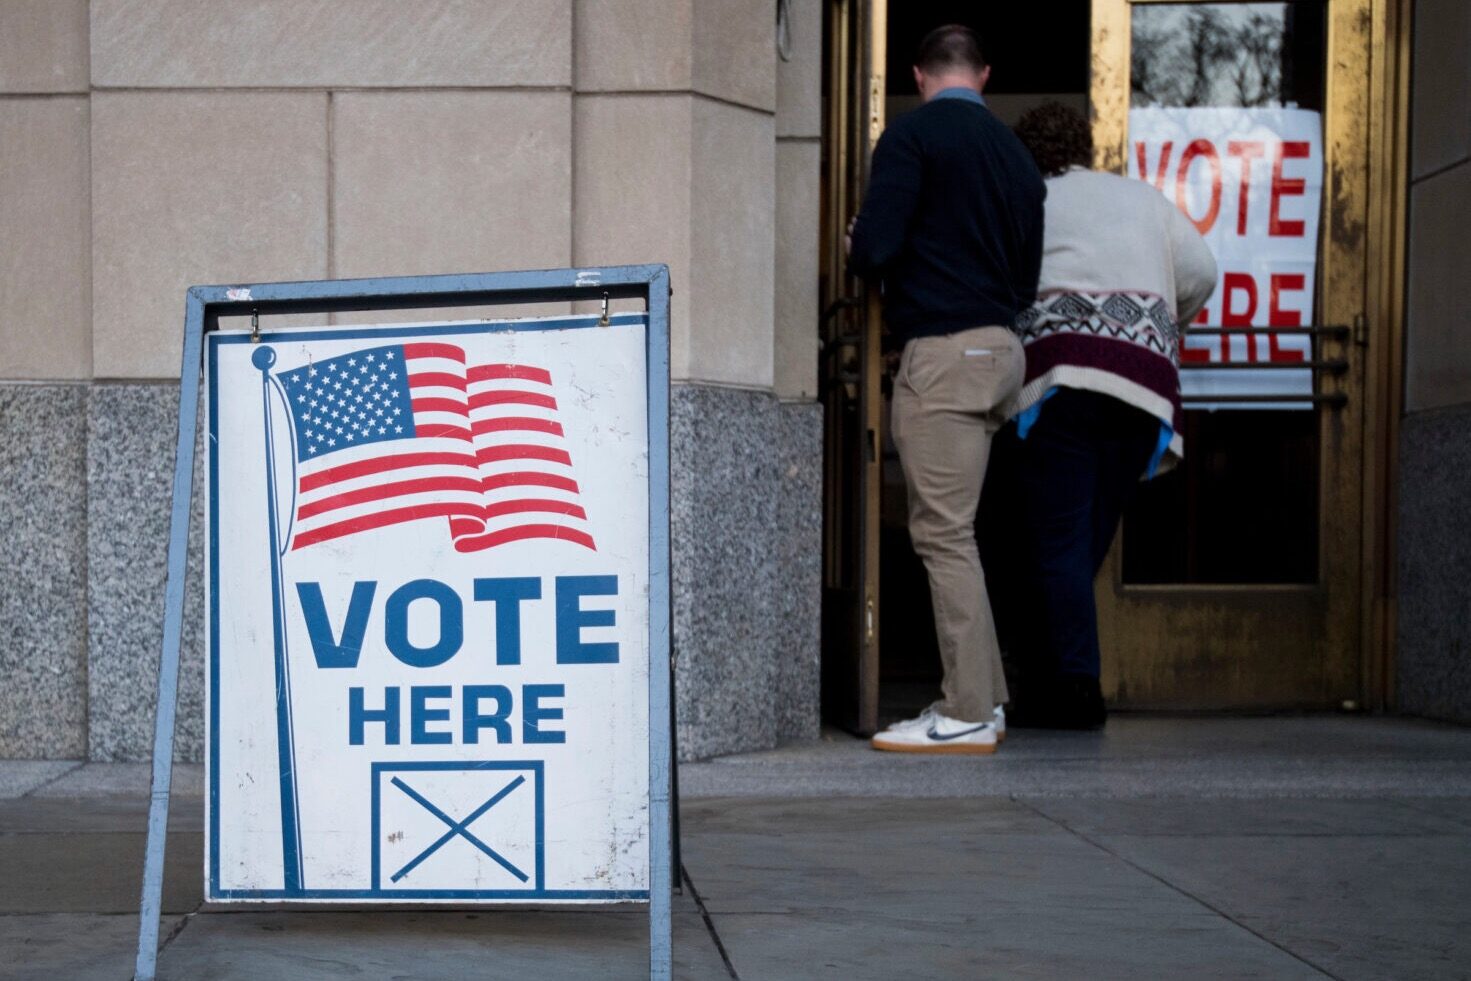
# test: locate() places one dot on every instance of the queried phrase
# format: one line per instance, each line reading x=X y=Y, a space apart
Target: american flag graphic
x=407 y=432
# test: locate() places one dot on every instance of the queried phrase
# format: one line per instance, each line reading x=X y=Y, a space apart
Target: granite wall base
x=43 y=550
x=86 y=474
x=798 y=622
x=746 y=506
x=131 y=431
x=1434 y=645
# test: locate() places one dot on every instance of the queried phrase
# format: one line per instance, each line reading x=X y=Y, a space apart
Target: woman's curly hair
x=1058 y=137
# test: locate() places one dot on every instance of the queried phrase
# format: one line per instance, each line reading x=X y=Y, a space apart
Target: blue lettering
x=451 y=623
x=533 y=712
x=358 y=716
x=572 y=618
x=328 y=650
x=507 y=595
x=420 y=715
x=475 y=720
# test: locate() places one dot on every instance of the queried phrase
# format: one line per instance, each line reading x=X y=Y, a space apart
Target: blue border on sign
x=658 y=501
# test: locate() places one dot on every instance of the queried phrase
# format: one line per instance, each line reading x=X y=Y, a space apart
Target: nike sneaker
x=932 y=732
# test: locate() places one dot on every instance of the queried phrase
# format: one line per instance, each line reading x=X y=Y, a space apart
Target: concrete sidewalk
x=1217 y=848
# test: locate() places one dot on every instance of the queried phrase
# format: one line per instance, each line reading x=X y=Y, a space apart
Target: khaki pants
x=952 y=394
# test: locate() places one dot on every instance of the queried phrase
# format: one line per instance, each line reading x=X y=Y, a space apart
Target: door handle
x=1319 y=365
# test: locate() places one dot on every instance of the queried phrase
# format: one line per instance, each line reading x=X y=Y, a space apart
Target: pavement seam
x=76 y=765
x=1179 y=889
x=178 y=928
x=709 y=923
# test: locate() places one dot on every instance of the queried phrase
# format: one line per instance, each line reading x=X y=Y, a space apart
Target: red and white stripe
x=489 y=455
x=526 y=474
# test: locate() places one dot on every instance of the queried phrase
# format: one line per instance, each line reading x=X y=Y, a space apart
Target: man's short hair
x=953 y=46
x=1058 y=137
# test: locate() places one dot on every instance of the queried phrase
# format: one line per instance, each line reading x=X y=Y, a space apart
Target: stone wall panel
x=799 y=76
x=131 y=432
x=45 y=239
x=43 y=46
x=619 y=221
x=1433 y=671
x=632 y=45
x=43 y=549
x=1440 y=131
x=450 y=182
x=797 y=619
x=795 y=326
x=732 y=246
x=192 y=188
x=734 y=52
x=1437 y=344
x=330 y=43
x=724 y=579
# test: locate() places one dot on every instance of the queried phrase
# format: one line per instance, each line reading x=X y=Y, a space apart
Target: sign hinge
x=1361 y=330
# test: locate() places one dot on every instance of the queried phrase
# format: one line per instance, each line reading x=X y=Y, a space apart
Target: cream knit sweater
x=1121 y=268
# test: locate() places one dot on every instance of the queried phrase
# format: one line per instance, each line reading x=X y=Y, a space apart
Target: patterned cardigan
x=1123 y=344
x=1122 y=268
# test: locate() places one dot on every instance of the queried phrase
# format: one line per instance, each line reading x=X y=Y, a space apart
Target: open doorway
x=1245 y=580
x=1037 y=52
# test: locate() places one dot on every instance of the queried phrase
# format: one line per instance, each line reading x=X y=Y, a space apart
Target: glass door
x=1236 y=581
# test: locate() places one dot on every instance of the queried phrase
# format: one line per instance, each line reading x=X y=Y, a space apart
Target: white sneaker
x=932 y=732
x=922 y=721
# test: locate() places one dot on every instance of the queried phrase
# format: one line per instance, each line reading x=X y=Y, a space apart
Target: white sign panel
x=429 y=613
x=1252 y=181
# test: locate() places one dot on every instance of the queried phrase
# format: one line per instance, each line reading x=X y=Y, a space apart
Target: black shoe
x=1069 y=702
x=1079 y=703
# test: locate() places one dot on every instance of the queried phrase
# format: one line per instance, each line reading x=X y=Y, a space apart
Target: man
x=952 y=225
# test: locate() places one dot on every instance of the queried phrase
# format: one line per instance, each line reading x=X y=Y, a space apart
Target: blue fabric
x=1030 y=414
x=1051 y=517
x=1166 y=433
x=960 y=92
x=1028 y=417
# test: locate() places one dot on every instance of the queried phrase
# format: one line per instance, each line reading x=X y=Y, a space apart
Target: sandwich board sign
x=437 y=573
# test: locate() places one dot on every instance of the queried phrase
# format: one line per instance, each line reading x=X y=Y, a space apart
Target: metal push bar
x=1318 y=365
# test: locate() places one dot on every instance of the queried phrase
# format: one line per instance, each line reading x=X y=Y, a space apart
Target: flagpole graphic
x=264 y=358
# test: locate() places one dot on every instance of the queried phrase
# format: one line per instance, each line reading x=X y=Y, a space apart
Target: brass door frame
x=857 y=45
x=1389 y=134
x=1360 y=282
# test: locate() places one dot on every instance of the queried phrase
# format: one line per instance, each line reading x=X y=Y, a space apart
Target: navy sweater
x=952 y=222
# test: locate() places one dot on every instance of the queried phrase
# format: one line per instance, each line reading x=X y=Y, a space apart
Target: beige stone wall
x=798 y=205
x=147 y=145
x=45 y=238
x=1438 y=333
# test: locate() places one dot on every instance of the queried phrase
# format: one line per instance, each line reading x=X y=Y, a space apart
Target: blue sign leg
x=168 y=661
x=661 y=884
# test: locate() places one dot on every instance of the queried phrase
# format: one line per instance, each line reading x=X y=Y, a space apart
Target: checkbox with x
x=473 y=828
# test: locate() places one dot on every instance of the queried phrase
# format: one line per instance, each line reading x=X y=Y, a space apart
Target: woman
x=1099 y=410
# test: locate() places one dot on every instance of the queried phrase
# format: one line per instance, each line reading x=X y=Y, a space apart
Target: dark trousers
x=1051 y=508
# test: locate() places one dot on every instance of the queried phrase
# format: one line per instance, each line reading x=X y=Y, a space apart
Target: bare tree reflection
x=1216 y=55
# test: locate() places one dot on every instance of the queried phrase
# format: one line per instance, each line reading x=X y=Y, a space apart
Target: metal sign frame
x=204 y=305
